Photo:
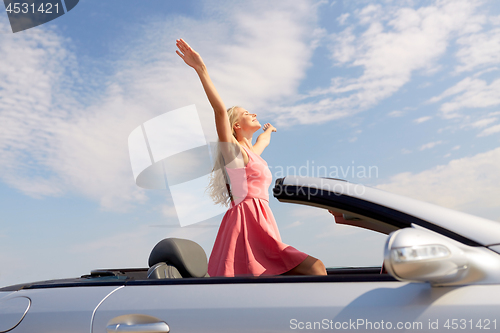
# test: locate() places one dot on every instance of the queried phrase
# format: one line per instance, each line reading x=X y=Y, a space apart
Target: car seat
x=174 y=258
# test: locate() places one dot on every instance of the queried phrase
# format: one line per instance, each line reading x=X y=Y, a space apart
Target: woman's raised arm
x=194 y=60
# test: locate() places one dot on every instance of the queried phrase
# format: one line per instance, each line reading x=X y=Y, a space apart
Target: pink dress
x=248 y=241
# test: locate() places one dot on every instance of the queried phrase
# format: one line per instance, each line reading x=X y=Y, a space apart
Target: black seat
x=177 y=258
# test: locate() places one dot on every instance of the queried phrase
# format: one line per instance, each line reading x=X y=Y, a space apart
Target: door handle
x=158 y=327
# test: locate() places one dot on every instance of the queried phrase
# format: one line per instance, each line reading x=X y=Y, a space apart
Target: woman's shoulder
x=236 y=153
x=247 y=149
x=245 y=153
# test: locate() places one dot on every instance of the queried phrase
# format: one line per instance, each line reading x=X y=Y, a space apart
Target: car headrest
x=187 y=256
x=162 y=270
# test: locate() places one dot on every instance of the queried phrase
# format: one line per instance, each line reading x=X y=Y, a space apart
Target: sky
x=409 y=90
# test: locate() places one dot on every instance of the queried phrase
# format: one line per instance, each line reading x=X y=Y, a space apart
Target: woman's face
x=247 y=121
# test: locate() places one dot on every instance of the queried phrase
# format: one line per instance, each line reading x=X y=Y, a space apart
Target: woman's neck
x=245 y=141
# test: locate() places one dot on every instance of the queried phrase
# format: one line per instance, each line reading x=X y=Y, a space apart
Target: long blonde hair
x=219 y=186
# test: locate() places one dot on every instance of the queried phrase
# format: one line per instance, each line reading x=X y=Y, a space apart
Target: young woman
x=248 y=241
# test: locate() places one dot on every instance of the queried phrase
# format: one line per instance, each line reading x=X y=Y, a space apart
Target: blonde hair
x=219 y=186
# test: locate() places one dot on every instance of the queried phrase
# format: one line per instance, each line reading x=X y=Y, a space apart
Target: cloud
x=430 y=145
x=422 y=119
x=469 y=183
x=110 y=252
x=490 y=130
x=395 y=114
x=483 y=122
x=478 y=50
x=169 y=211
x=105 y=251
x=468 y=93
x=394 y=43
x=52 y=144
x=450 y=153
x=58 y=138
x=29 y=73
x=294 y=225
x=307 y=212
x=343 y=18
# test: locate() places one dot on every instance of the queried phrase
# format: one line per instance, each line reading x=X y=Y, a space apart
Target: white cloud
x=253 y=73
x=469 y=183
x=293 y=225
x=422 y=119
x=395 y=42
x=29 y=73
x=483 y=122
x=169 y=211
x=342 y=18
x=430 y=145
x=488 y=70
x=395 y=114
x=424 y=85
x=490 y=130
x=104 y=251
x=469 y=93
x=346 y=231
x=307 y=212
x=405 y=151
x=479 y=50
x=457 y=147
x=51 y=143
x=109 y=251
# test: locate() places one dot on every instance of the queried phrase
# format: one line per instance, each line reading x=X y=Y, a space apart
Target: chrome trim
x=160 y=327
x=98 y=305
x=24 y=315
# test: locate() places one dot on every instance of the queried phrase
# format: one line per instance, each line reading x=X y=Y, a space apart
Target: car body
x=443 y=274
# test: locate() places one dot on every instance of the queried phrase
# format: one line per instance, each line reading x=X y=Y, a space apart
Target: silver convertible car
x=441 y=272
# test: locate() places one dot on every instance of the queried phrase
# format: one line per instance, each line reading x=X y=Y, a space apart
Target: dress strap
x=259 y=157
x=248 y=150
x=248 y=154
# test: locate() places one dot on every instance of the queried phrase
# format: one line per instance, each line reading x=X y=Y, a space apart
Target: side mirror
x=419 y=255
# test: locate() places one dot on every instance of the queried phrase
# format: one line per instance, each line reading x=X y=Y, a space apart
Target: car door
x=280 y=305
x=53 y=309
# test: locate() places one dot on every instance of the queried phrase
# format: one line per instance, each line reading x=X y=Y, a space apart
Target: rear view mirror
x=419 y=255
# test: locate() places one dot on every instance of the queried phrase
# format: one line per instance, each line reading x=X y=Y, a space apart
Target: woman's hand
x=268 y=125
x=193 y=59
x=264 y=138
x=190 y=56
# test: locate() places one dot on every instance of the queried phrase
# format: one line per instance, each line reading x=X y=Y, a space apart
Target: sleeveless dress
x=248 y=241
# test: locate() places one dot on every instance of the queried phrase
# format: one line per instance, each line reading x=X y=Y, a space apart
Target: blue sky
x=411 y=88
